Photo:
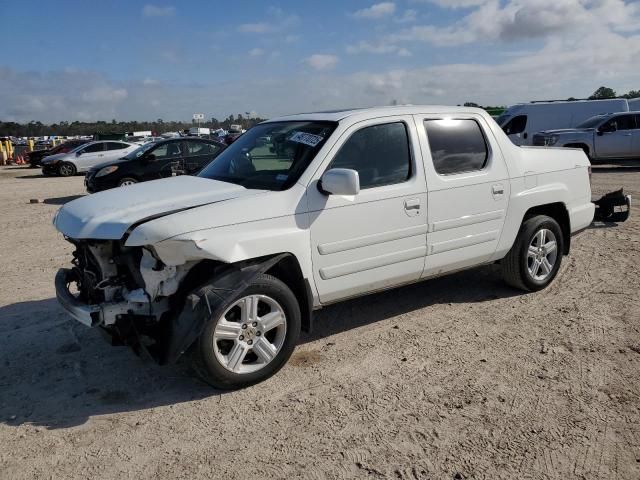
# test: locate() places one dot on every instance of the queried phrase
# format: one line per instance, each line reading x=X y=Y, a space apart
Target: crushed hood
x=108 y=215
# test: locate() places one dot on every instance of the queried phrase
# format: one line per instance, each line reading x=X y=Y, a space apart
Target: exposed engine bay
x=124 y=290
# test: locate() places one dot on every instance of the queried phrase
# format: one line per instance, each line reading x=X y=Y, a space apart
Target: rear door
x=469 y=190
x=115 y=150
x=635 y=145
x=377 y=238
x=615 y=137
x=199 y=153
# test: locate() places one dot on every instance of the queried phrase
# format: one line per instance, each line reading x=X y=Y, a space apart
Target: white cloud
x=408 y=16
x=321 y=61
x=516 y=20
x=378 y=10
x=150 y=10
x=150 y=81
x=278 y=21
x=454 y=3
x=377 y=49
x=260 y=27
x=256 y=52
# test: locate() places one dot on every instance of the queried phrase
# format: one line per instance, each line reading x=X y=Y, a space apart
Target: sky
x=127 y=60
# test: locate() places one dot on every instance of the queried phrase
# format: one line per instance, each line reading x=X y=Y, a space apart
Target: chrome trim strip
x=359 y=242
x=358 y=266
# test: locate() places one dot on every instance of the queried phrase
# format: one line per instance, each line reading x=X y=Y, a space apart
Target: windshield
x=270 y=156
x=593 y=122
x=138 y=152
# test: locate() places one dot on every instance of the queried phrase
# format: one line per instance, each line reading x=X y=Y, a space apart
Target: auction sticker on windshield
x=306 y=138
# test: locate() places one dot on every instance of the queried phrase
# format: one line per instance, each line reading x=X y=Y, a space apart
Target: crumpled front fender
x=209 y=300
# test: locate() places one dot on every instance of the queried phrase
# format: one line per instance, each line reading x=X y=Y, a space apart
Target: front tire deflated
x=250 y=336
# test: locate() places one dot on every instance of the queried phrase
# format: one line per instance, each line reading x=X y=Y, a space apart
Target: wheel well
x=289 y=272
x=583 y=146
x=559 y=213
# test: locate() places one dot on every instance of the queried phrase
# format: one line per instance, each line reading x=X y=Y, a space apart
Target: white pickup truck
x=229 y=265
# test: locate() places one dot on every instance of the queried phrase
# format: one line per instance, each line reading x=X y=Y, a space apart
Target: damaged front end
x=126 y=291
x=613 y=207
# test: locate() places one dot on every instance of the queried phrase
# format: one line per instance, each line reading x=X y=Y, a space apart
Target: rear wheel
x=253 y=338
x=127 y=181
x=66 y=169
x=534 y=259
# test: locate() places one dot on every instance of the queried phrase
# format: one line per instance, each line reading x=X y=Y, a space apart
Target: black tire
x=67 y=169
x=123 y=181
x=204 y=357
x=515 y=269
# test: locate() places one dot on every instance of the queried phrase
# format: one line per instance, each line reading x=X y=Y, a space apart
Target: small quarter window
x=516 y=125
x=457 y=146
x=380 y=154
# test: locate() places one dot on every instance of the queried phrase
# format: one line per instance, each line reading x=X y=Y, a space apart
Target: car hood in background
x=54 y=158
x=108 y=215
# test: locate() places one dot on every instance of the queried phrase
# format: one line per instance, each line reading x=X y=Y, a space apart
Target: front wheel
x=253 y=338
x=534 y=259
x=67 y=169
x=126 y=181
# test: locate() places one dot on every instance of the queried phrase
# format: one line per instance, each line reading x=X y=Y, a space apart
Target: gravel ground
x=458 y=377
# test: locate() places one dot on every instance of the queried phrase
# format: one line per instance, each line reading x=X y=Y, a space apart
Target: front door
x=468 y=191
x=377 y=238
x=91 y=155
x=616 y=137
x=165 y=159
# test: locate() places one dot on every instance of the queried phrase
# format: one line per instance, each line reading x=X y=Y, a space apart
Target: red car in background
x=34 y=158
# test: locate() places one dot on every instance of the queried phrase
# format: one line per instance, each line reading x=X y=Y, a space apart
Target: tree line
x=159 y=126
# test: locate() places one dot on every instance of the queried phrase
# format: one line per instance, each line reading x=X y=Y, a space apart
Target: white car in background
x=86 y=156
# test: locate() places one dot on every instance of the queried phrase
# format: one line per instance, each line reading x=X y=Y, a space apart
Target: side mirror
x=149 y=158
x=78 y=153
x=340 y=181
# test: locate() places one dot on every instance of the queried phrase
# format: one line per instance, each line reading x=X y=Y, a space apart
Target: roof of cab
x=376 y=112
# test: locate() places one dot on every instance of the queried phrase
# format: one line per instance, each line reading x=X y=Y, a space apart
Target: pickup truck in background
x=613 y=136
x=229 y=265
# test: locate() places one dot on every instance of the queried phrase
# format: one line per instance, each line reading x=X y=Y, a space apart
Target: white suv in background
x=86 y=156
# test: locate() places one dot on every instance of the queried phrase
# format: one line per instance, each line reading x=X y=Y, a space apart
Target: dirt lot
x=459 y=377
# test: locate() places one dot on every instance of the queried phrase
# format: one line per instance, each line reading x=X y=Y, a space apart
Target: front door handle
x=412 y=204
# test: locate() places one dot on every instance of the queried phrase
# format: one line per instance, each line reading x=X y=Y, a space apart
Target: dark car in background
x=160 y=159
x=34 y=158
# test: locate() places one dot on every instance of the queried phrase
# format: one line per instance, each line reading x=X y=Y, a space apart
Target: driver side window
x=379 y=153
x=623 y=122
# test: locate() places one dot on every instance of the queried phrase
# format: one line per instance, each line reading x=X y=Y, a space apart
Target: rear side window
x=380 y=154
x=516 y=125
x=96 y=147
x=116 y=145
x=457 y=146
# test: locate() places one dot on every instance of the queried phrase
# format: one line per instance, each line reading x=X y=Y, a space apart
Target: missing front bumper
x=613 y=207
